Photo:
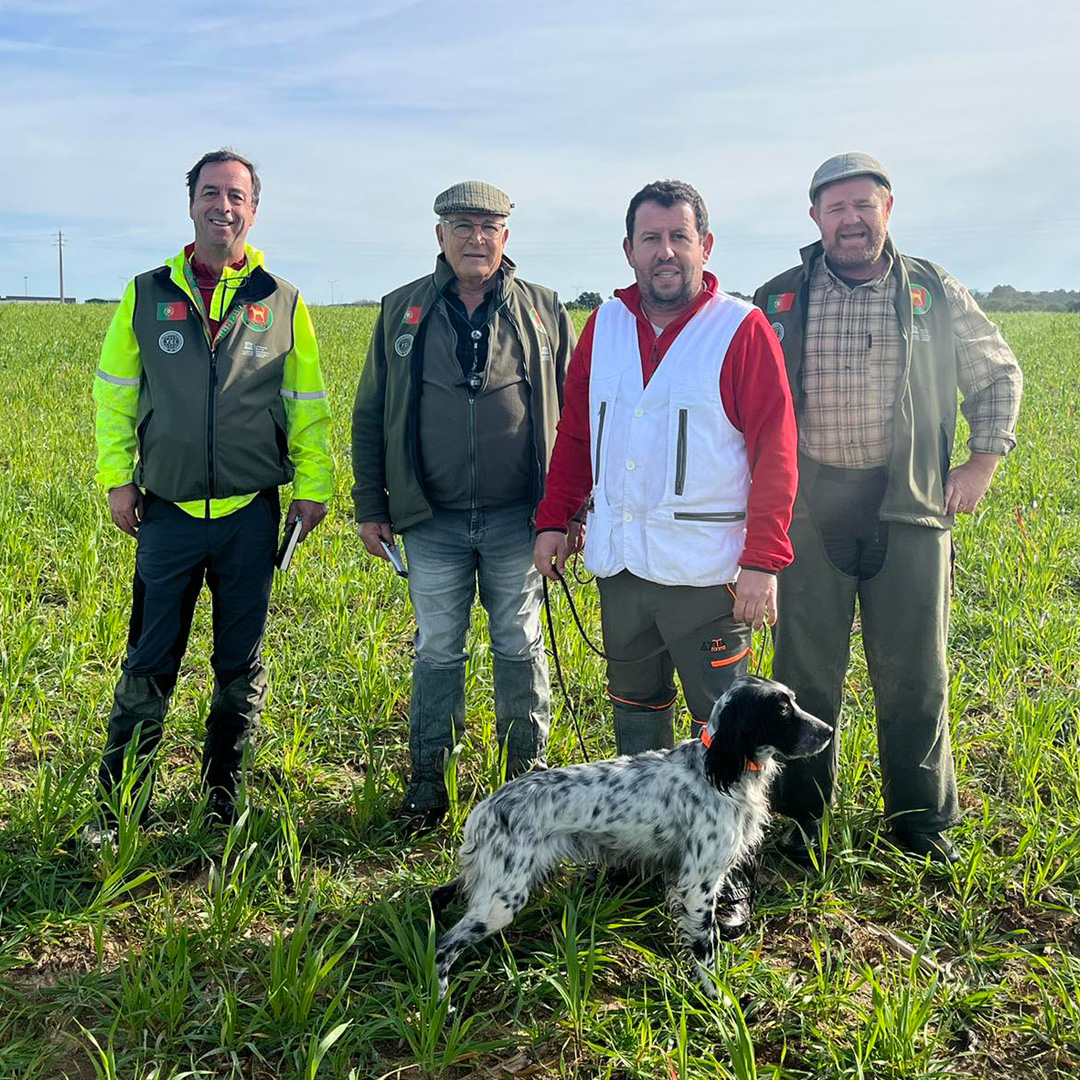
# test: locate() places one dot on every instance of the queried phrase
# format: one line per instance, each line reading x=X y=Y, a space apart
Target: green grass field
x=300 y=944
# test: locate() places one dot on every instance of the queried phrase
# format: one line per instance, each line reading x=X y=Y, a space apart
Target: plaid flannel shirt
x=853 y=359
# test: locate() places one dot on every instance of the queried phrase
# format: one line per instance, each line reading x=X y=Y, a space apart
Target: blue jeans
x=448 y=556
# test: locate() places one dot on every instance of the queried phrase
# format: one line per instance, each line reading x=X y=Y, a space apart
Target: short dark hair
x=226 y=153
x=668 y=193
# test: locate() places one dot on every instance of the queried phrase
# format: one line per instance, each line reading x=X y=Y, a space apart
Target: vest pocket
x=281 y=438
x=140 y=434
x=680 y=455
x=722 y=516
x=599 y=442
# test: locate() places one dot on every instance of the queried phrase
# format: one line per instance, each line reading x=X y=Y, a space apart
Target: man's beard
x=862 y=257
x=675 y=300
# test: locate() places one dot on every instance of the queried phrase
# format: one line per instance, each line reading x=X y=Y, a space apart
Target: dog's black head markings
x=692 y=813
x=754 y=720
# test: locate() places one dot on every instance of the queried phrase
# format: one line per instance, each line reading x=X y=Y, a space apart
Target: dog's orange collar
x=751 y=764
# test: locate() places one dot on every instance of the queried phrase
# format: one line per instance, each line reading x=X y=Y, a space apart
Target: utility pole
x=60 y=248
x=25 y=285
x=332 y=284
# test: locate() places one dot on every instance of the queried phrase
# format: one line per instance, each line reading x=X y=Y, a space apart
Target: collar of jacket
x=444 y=276
x=254 y=261
x=253 y=278
x=812 y=252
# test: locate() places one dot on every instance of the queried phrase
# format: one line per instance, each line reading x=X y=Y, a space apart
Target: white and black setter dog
x=691 y=813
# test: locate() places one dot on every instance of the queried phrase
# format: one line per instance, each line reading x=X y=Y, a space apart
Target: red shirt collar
x=631 y=297
x=198 y=269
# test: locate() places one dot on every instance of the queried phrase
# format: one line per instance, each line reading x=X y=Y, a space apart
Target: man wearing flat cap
x=876 y=345
x=452 y=429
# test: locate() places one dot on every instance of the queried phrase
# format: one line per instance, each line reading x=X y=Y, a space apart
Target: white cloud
x=359 y=116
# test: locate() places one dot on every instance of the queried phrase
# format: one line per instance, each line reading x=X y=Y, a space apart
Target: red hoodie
x=755 y=395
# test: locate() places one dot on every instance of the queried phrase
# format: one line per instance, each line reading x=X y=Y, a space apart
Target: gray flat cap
x=845 y=166
x=473 y=197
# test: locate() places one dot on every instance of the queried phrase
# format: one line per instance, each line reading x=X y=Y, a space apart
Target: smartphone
x=394 y=556
x=289 y=540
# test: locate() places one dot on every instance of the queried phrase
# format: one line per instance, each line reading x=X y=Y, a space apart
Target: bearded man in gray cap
x=452 y=429
x=876 y=345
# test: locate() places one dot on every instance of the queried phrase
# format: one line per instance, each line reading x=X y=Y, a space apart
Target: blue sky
x=359 y=114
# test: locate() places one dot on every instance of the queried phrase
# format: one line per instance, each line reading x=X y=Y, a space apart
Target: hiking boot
x=220 y=808
x=801 y=842
x=96 y=835
x=412 y=821
x=735 y=902
x=640 y=730
x=920 y=845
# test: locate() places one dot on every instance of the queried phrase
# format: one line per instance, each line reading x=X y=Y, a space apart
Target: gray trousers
x=904 y=612
x=700 y=638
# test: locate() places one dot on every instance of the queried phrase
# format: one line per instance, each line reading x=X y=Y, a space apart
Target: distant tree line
x=1006 y=298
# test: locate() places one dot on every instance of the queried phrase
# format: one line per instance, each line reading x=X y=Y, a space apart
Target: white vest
x=670 y=475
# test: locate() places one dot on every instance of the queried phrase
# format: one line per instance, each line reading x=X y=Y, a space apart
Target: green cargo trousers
x=904 y=611
x=704 y=643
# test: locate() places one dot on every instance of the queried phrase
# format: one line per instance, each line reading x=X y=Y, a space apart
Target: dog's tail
x=442 y=896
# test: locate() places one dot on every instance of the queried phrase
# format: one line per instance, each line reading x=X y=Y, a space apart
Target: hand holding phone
x=394 y=556
x=289 y=540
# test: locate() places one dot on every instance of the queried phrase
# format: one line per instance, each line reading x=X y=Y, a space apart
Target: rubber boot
x=638 y=730
x=436 y=723
x=235 y=709
x=138 y=703
x=522 y=712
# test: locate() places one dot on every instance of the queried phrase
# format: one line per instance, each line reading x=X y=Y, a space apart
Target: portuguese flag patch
x=412 y=316
x=778 y=302
x=173 y=311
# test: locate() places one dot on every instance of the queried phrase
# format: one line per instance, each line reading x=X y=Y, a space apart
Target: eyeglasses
x=463 y=230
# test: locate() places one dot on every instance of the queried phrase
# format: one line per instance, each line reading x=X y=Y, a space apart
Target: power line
x=60 y=248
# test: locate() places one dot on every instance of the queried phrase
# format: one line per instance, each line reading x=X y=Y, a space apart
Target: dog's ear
x=726 y=754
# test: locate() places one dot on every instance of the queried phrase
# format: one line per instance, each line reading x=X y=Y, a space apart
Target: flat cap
x=845 y=166
x=473 y=197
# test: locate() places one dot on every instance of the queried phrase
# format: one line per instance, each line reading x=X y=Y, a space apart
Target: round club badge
x=921 y=299
x=172 y=341
x=403 y=345
x=778 y=330
x=257 y=317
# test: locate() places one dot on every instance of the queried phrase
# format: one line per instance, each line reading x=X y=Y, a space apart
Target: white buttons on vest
x=628 y=517
x=639 y=412
x=631 y=466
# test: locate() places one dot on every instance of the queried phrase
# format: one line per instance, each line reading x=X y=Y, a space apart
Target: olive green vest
x=530 y=313
x=211 y=421
x=926 y=393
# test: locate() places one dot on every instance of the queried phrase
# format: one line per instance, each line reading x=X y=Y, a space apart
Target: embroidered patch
x=921 y=300
x=778 y=330
x=412 y=316
x=536 y=321
x=172 y=341
x=175 y=311
x=779 y=302
x=257 y=317
x=403 y=345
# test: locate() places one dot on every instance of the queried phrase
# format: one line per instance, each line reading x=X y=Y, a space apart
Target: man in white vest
x=678 y=421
